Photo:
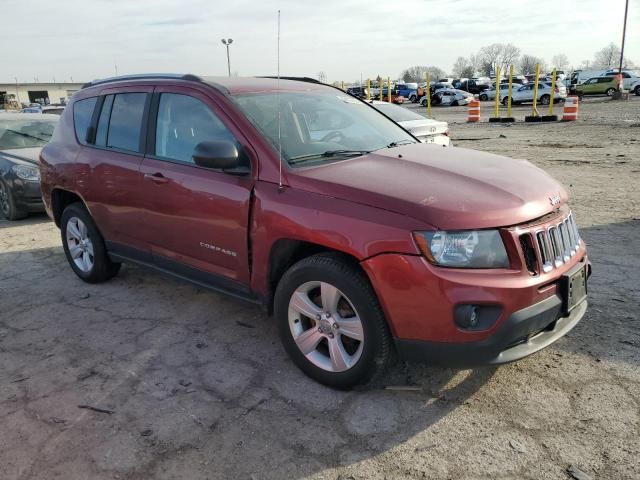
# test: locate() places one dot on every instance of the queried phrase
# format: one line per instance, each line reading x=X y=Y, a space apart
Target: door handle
x=156 y=177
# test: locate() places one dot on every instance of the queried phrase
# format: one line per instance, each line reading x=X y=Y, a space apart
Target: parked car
x=448 y=97
x=22 y=136
x=361 y=240
x=525 y=93
x=630 y=80
x=471 y=86
x=358 y=92
x=490 y=93
x=410 y=91
x=425 y=129
x=596 y=86
x=53 y=109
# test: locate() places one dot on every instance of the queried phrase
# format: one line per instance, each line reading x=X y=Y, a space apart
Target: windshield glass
x=24 y=133
x=398 y=114
x=320 y=127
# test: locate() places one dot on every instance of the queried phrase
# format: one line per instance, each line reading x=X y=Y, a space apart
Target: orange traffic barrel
x=474 y=111
x=570 y=112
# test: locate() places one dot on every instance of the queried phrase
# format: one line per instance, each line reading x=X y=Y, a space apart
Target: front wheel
x=637 y=90
x=413 y=99
x=331 y=323
x=505 y=101
x=84 y=246
x=484 y=97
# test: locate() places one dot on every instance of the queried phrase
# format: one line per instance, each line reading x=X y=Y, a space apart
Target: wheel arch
x=61 y=199
x=285 y=252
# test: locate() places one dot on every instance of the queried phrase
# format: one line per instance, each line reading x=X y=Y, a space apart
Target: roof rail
x=145 y=76
x=299 y=79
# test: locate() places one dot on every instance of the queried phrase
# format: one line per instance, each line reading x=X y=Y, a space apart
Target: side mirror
x=222 y=155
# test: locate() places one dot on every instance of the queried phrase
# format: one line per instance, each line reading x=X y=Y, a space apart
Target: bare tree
x=416 y=73
x=322 y=77
x=609 y=57
x=528 y=64
x=502 y=54
x=463 y=68
x=560 y=61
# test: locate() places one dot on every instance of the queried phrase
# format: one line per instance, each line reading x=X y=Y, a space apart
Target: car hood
x=22 y=155
x=447 y=188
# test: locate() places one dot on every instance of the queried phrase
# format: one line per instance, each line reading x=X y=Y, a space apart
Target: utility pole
x=226 y=43
x=624 y=34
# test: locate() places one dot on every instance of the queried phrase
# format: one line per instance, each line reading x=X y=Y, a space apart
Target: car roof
x=228 y=85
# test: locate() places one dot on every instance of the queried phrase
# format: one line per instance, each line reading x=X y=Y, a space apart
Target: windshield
x=398 y=114
x=320 y=127
x=24 y=133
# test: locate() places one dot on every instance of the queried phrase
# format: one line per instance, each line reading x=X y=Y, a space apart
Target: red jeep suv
x=361 y=240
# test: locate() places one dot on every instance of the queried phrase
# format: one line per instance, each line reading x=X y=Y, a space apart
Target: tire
x=334 y=358
x=610 y=92
x=91 y=262
x=8 y=207
x=484 y=97
x=637 y=90
x=505 y=101
x=545 y=99
x=413 y=99
x=455 y=103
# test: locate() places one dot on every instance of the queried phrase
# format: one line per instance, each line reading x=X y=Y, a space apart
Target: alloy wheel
x=325 y=326
x=80 y=245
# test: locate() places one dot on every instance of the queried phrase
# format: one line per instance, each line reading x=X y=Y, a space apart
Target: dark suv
x=360 y=239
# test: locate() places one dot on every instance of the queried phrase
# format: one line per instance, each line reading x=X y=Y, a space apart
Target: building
x=38 y=92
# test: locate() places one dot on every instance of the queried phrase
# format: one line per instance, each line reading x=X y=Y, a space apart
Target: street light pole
x=227 y=42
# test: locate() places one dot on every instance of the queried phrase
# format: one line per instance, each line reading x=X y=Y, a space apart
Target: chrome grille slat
x=557 y=243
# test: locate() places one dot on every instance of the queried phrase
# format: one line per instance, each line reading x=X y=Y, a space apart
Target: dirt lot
x=197 y=386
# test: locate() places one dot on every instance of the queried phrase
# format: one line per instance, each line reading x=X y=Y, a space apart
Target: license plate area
x=574 y=287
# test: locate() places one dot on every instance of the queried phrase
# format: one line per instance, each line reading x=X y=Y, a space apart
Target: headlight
x=464 y=249
x=26 y=172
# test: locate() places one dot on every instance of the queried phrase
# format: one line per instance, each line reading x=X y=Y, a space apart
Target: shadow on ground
x=196 y=385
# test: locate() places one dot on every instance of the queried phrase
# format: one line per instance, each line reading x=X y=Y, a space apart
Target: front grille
x=529 y=252
x=558 y=243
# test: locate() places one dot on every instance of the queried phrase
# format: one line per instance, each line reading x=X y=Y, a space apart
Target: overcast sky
x=85 y=39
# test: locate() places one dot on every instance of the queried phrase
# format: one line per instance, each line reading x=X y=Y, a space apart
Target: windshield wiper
x=328 y=153
x=27 y=135
x=400 y=142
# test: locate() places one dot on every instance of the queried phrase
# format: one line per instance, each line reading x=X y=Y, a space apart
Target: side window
x=82 y=113
x=126 y=121
x=183 y=122
x=103 y=121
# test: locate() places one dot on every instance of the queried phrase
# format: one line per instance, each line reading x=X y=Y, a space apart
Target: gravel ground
x=194 y=385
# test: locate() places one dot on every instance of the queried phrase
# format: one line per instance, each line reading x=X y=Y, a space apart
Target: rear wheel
x=413 y=98
x=8 y=206
x=84 y=246
x=331 y=323
x=610 y=92
x=484 y=97
x=545 y=99
x=637 y=90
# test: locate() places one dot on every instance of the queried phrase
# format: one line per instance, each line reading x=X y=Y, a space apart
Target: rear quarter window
x=82 y=113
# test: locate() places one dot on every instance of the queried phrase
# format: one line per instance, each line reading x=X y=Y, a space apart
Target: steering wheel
x=339 y=136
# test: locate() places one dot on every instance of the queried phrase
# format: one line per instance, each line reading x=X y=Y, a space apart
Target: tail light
x=557 y=90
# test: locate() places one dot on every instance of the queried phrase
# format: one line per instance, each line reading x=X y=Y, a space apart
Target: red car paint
x=366 y=207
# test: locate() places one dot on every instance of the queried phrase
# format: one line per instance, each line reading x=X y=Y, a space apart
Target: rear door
x=196 y=219
x=114 y=153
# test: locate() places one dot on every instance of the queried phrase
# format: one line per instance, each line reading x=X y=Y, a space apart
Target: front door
x=196 y=219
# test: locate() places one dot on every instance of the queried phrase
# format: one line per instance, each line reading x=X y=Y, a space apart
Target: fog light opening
x=476 y=317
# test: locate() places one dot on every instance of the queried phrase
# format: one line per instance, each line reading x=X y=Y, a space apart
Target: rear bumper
x=522 y=334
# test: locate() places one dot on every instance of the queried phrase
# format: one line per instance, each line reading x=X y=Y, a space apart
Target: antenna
x=280 y=187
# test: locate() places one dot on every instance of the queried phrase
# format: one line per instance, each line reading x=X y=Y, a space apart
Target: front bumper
x=522 y=334
x=27 y=194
